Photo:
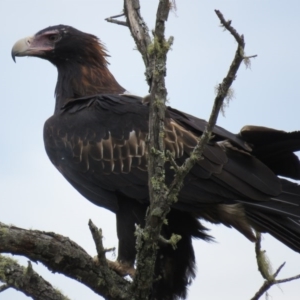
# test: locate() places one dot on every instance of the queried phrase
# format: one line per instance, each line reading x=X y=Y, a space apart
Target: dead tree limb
x=60 y=254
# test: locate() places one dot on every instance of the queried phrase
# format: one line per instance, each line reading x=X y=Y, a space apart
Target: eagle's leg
x=130 y=214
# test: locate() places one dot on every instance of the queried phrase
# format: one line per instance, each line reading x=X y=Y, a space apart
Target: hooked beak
x=22 y=47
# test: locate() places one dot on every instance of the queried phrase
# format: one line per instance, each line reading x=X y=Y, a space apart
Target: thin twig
x=116 y=16
x=97 y=236
x=278 y=270
x=110 y=20
x=251 y=56
x=288 y=279
x=112 y=249
x=227 y=25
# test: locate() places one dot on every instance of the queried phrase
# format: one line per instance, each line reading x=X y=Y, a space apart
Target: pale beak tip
x=21 y=48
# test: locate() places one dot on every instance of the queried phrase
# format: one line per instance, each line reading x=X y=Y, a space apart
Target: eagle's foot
x=123 y=269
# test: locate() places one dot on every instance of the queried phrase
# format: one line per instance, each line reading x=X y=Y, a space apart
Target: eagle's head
x=62 y=44
x=80 y=59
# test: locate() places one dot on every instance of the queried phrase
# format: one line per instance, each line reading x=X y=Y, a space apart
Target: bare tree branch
x=139 y=31
x=27 y=281
x=63 y=256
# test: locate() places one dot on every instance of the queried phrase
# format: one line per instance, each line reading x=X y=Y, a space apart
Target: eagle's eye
x=53 y=37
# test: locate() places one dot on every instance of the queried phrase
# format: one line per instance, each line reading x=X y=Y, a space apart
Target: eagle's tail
x=280 y=217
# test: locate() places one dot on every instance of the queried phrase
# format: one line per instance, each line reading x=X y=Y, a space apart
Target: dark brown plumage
x=96 y=139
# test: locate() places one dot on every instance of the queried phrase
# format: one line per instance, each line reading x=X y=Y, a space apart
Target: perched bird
x=96 y=139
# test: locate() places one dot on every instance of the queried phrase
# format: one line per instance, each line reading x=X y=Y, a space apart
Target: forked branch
x=265 y=270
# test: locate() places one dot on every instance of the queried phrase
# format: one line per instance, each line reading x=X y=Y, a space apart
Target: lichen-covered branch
x=26 y=280
x=60 y=254
x=154 y=53
x=265 y=270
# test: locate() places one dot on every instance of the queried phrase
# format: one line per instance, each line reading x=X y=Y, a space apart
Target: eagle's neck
x=77 y=80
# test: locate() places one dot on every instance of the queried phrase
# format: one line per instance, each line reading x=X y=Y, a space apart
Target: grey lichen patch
x=140 y=234
x=230 y=94
x=157 y=212
x=155 y=184
x=155 y=151
x=174 y=239
x=162 y=134
x=158 y=183
x=158 y=102
x=265 y=265
x=194 y=158
x=159 y=47
x=7 y=267
x=173 y=198
x=4 y=231
x=247 y=62
x=220 y=91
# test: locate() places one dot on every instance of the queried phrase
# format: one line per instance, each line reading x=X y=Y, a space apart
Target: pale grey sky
x=34 y=195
